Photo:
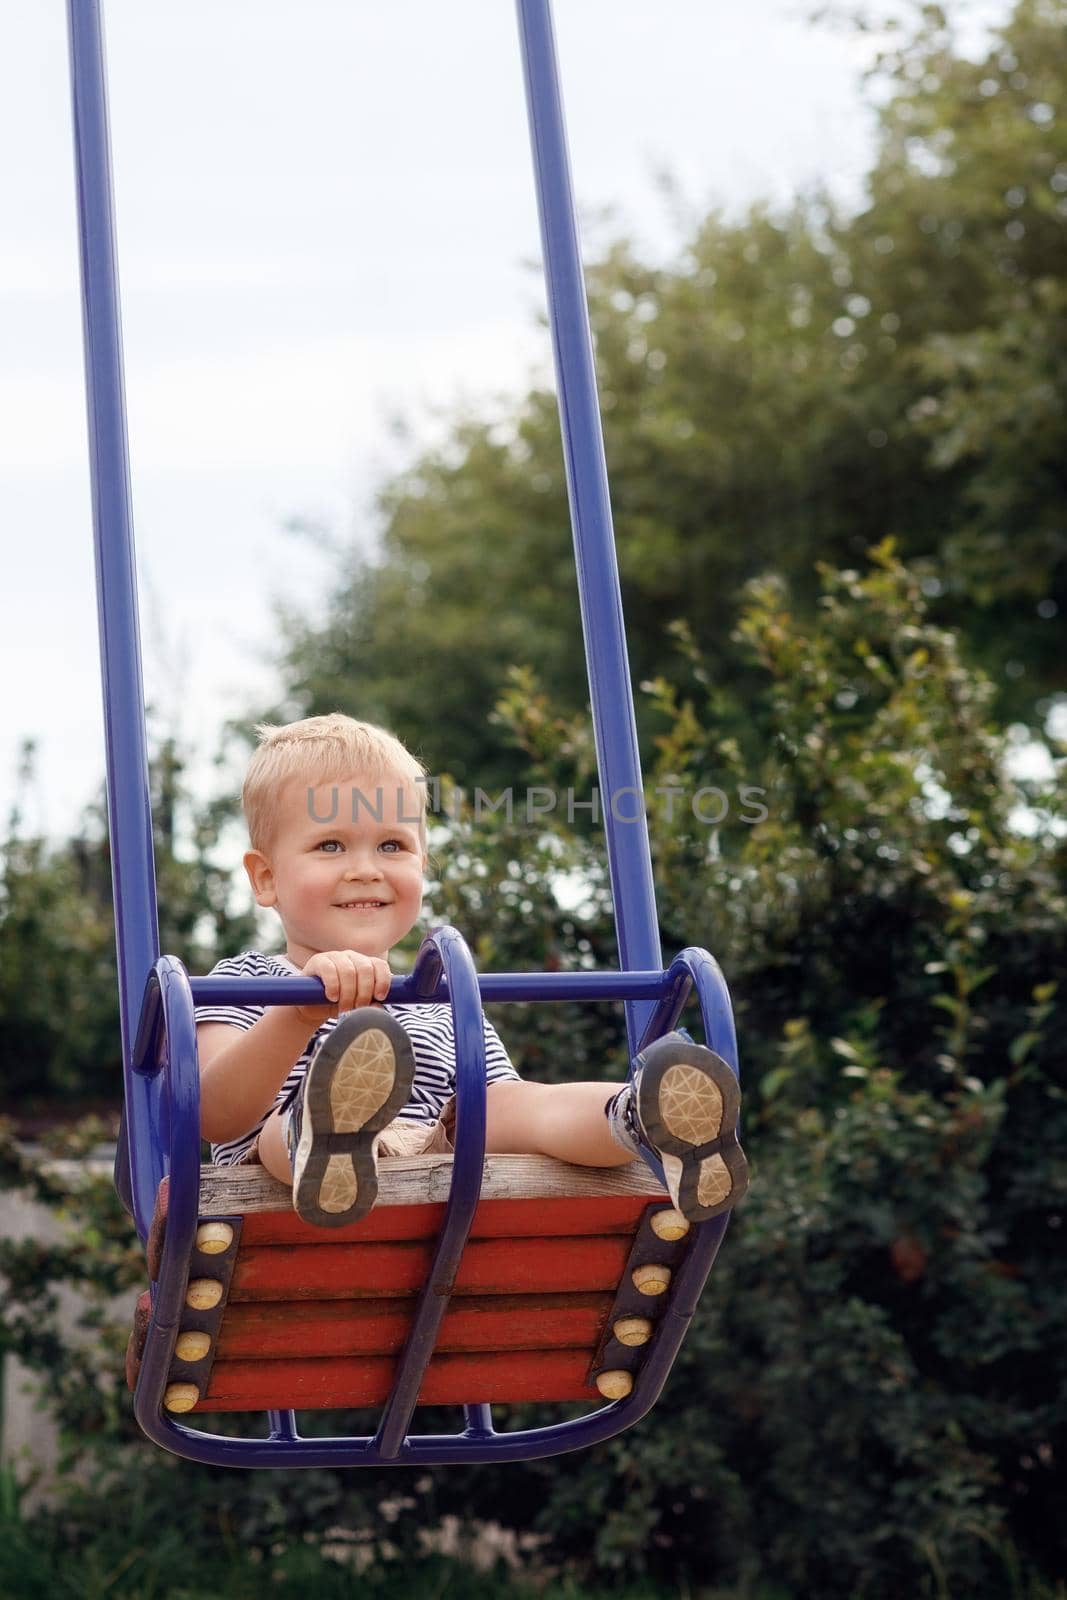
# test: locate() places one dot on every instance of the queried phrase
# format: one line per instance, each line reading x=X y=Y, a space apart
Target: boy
x=336 y=818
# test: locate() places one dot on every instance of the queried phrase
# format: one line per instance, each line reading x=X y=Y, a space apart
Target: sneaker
x=356 y=1083
x=685 y=1103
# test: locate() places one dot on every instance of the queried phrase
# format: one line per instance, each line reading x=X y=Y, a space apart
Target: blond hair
x=321 y=750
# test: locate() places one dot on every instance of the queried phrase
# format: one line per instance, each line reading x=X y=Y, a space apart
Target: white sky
x=326 y=218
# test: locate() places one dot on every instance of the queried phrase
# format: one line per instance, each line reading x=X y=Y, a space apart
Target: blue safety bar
x=161 y=1129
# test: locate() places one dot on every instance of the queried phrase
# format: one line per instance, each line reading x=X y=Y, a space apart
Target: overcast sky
x=326 y=218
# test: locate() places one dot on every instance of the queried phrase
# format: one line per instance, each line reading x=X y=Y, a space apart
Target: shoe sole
x=356 y=1084
x=687 y=1100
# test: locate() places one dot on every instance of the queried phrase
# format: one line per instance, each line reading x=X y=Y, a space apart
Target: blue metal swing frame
x=161 y=1127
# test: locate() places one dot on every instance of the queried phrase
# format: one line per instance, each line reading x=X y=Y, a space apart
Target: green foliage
x=870 y=1400
x=58 y=1005
x=969 y=199
x=795 y=386
x=144 y=1555
x=155 y=1565
x=59 y=1015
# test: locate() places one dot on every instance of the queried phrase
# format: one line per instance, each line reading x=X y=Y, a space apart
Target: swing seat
x=563 y=1283
x=475 y=1280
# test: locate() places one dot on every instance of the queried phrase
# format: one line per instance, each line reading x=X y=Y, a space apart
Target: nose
x=362 y=868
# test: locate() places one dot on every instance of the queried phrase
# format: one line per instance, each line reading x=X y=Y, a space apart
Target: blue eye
x=324 y=844
x=391 y=845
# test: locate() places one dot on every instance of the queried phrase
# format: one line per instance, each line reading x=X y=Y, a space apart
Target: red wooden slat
x=138 y=1334
x=385 y=1222
x=494 y=1219
x=489 y=1266
x=450 y=1379
x=318 y=1328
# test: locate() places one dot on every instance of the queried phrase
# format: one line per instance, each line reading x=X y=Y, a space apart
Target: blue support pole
x=128 y=796
x=614 y=723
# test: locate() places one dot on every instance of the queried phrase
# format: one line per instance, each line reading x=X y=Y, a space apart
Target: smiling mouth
x=362 y=905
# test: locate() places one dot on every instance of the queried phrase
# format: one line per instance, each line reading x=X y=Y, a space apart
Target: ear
x=261 y=877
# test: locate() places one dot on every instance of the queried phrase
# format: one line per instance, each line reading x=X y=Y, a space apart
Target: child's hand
x=350 y=980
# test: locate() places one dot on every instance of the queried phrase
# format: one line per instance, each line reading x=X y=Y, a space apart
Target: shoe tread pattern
x=688 y=1101
x=355 y=1086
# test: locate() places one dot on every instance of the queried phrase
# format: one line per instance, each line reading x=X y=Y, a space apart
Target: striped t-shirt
x=428 y=1026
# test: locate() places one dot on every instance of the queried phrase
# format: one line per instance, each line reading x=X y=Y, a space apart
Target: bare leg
x=565 y=1120
x=273 y=1151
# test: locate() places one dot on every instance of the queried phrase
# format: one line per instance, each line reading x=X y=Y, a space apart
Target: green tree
x=958 y=260
x=794 y=387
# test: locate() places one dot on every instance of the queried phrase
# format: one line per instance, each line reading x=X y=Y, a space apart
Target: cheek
x=313 y=880
x=412 y=885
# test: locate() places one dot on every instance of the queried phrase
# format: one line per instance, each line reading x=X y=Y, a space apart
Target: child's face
x=353 y=882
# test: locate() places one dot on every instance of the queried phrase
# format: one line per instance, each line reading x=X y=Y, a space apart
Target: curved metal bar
x=671 y=1004
x=146 y=1155
x=715 y=1010
x=469 y=1033
x=691 y=967
x=427 y=974
x=694 y=966
x=179 y=1084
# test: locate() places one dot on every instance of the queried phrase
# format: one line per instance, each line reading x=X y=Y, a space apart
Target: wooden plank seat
x=282 y=1315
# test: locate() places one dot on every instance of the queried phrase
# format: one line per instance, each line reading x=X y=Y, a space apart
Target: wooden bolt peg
x=180 y=1396
x=652 y=1278
x=203 y=1294
x=669 y=1225
x=215 y=1237
x=192 y=1346
x=614 y=1385
x=632 y=1330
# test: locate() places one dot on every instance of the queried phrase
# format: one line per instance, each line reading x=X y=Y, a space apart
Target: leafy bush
x=871 y=1398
